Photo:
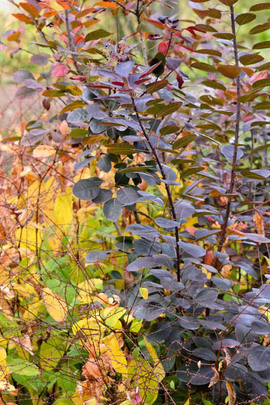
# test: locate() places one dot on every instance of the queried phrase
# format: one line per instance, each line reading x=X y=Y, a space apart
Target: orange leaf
x=14 y=37
x=23 y=18
x=107 y=4
x=64 y=4
x=33 y=11
x=259 y=223
x=63 y=127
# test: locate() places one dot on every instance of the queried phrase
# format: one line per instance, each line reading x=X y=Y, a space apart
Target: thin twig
x=141 y=39
x=168 y=190
x=236 y=139
x=71 y=44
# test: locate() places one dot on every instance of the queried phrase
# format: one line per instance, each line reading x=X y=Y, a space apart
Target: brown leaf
x=259 y=223
x=226 y=270
x=214 y=379
x=229 y=71
x=231 y=392
x=228 y=2
x=209 y=258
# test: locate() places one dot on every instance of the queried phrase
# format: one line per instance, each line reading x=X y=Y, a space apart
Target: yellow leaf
x=112 y=318
x=144 y=293
x=141 y=374
x=136 y=325
x=208 y=273
x=32 y=310
x=91 y=328
x=29 y=238
x=55 y=305
x=118 y=359
x=63 y=208
x=6 y=386
x=43 y=151
x=3 y=363
x=87 y=289
x=55 y=241
x=158 y=368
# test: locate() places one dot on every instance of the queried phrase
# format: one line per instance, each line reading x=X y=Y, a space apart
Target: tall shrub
x=166 y=301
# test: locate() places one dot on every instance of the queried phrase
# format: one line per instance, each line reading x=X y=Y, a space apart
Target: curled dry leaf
x=259 y=223
x=231 y=392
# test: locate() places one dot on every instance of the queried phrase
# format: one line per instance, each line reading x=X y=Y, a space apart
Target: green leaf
x=51 y=353
x=78 y=133
x=184 y=141
x=250 y=59
x=259 y=28
x=224 y=35
x=214 y=84
x=169 y=129
x=98 y=34
x=245 y=18
x=153 y=87
x=262 y=45
x=209 y=52
x=205 y=67
x=260 y=6
x=261 y=83
x=255 y=174
x=23 y=367
x=121 y=148
x=228 y=2
x=73 y=106
x=190 y=171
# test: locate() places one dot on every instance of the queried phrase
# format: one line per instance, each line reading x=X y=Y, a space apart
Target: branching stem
x=236 y=139
x=71 y=44
x=168 y=190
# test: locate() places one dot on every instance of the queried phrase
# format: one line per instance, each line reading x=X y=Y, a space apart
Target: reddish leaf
x=192 y=30
x=60 y=70
x=180 y=80
x=46 y=104
x=80 y=78
x=163 y=47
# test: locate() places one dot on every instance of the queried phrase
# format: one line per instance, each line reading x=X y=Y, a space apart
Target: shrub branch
x=236 y=139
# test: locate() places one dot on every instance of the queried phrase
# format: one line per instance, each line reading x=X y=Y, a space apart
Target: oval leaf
x=55 y=305
x=229 y=71
x=87 y=189
x=112 y=209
